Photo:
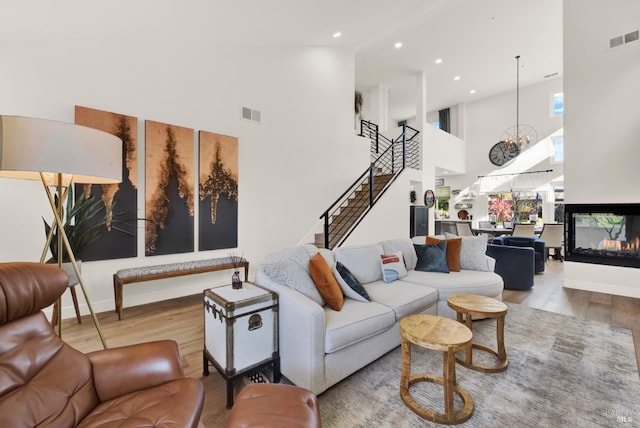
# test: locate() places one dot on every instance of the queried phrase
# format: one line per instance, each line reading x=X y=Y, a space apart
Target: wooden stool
x=471 y=305
x=439 y=334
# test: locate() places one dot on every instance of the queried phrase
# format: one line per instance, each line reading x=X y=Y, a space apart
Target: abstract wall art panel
x=218 y=191
x=112 y=222
x=169 y=192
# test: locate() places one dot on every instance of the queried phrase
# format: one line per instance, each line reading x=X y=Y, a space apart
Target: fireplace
x=606 y=234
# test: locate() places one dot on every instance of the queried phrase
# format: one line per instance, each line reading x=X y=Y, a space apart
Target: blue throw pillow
x=351 y=280
x=432 y=257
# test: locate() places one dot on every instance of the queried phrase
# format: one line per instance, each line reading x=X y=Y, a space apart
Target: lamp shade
x=30 y=146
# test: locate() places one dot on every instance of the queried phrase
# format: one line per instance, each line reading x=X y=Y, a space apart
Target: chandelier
x=520 y=134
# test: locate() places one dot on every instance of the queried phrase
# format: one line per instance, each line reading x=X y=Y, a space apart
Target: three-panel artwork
x=180 y=183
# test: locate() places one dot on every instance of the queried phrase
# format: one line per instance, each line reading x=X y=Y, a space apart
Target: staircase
x=389 y=160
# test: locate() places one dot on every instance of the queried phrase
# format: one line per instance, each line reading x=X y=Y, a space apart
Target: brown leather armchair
x=46 y=383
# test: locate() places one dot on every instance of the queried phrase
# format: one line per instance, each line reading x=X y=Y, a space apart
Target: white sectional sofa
x=320 y=346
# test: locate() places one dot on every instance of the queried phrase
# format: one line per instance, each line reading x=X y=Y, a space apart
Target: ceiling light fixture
x=456 y=78
x=438 y=61
x=521 y=133
x=337 y=34
x=398 y=45
x=473 y=91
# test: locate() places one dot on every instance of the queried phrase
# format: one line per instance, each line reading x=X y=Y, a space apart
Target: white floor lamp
x=59 y=154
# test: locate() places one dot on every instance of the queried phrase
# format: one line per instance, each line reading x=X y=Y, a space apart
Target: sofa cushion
x=355 y=322
x=349 y=284
x=432 y=257
x=406 y=246
x=403 y=297
x=293 y=275
x=362 y=261
x=466 y=281
x=392 y=266
x=453 y=251
x=325 y=282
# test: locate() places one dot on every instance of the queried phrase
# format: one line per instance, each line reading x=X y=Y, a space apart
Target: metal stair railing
x=343 y=216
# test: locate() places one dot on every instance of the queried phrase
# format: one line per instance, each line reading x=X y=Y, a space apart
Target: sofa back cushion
x=406 y=246
x=362 y=261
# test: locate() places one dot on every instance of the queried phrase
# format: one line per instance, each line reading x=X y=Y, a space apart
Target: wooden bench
x=170 y=270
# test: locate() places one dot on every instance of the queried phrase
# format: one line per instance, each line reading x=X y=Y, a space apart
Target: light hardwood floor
x=181 y=320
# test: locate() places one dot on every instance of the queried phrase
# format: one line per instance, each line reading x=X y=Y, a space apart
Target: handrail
x=383 y=165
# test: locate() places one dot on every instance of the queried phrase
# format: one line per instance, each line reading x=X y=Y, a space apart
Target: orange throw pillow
x=325 y=282
x=453 y=251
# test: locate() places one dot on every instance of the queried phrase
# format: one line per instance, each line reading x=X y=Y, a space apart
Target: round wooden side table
x=471 y=305
x=439 y=334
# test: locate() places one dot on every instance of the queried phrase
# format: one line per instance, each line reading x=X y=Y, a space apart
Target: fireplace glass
x=603 y=234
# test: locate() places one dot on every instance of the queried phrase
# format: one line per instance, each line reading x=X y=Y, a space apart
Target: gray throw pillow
x=291 y=274
x=432 y=257
x=473 y=253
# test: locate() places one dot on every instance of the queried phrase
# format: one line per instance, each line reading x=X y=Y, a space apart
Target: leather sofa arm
x=118 y=371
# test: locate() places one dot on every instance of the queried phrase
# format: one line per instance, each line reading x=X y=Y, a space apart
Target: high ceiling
x=476 y=39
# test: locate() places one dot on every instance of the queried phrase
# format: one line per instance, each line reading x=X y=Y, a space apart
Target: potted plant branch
x=84 y=221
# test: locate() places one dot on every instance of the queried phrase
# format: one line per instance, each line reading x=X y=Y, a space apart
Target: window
x=558 y=150
x=557 y=104
x=515 y=206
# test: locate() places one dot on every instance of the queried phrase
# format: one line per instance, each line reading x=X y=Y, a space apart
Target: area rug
x=562 y=372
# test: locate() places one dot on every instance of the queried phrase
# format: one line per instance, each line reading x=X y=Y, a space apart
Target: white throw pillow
x=392 y=266
x=472 y=252
x=291 y=274
x=406 y=246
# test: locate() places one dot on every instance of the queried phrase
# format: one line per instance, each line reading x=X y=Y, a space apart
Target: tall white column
x=428 y=166
x=380 y=107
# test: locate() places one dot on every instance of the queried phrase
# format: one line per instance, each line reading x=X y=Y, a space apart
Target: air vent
x=615 y=42
x=250 y=114
x=624 y=39
x=631 y=37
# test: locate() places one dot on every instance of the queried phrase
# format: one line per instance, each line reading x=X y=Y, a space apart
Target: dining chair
x=485 y=224
x=523 y=229
x=553 y=236
x=464 y=229
x=507 y=224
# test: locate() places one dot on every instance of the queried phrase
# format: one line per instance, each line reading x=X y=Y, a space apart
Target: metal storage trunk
x=240 y=328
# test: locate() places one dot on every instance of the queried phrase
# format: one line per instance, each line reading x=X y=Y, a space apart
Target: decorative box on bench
x=240 y=332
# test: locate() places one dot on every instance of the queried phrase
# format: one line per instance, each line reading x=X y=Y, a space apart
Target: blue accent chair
x=516 y=265
x=523 y=241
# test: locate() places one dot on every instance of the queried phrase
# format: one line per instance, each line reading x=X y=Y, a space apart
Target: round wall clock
x=502 y=152
x=429 y=198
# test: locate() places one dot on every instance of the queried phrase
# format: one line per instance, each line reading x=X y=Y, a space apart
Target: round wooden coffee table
x=439 y=334
x=471 y=305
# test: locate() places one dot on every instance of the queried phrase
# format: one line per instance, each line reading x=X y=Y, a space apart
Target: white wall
x=290 y=167
x=602 y=123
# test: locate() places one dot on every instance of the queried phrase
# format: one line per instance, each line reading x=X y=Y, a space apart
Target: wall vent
x=250 y=114
x=631 y=37
x=615 y=42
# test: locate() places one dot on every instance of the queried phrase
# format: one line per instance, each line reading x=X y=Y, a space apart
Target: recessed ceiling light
x=337 y=34
x=456 y=78
x=398 y=45
x=473 y=91
x=438 y=61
